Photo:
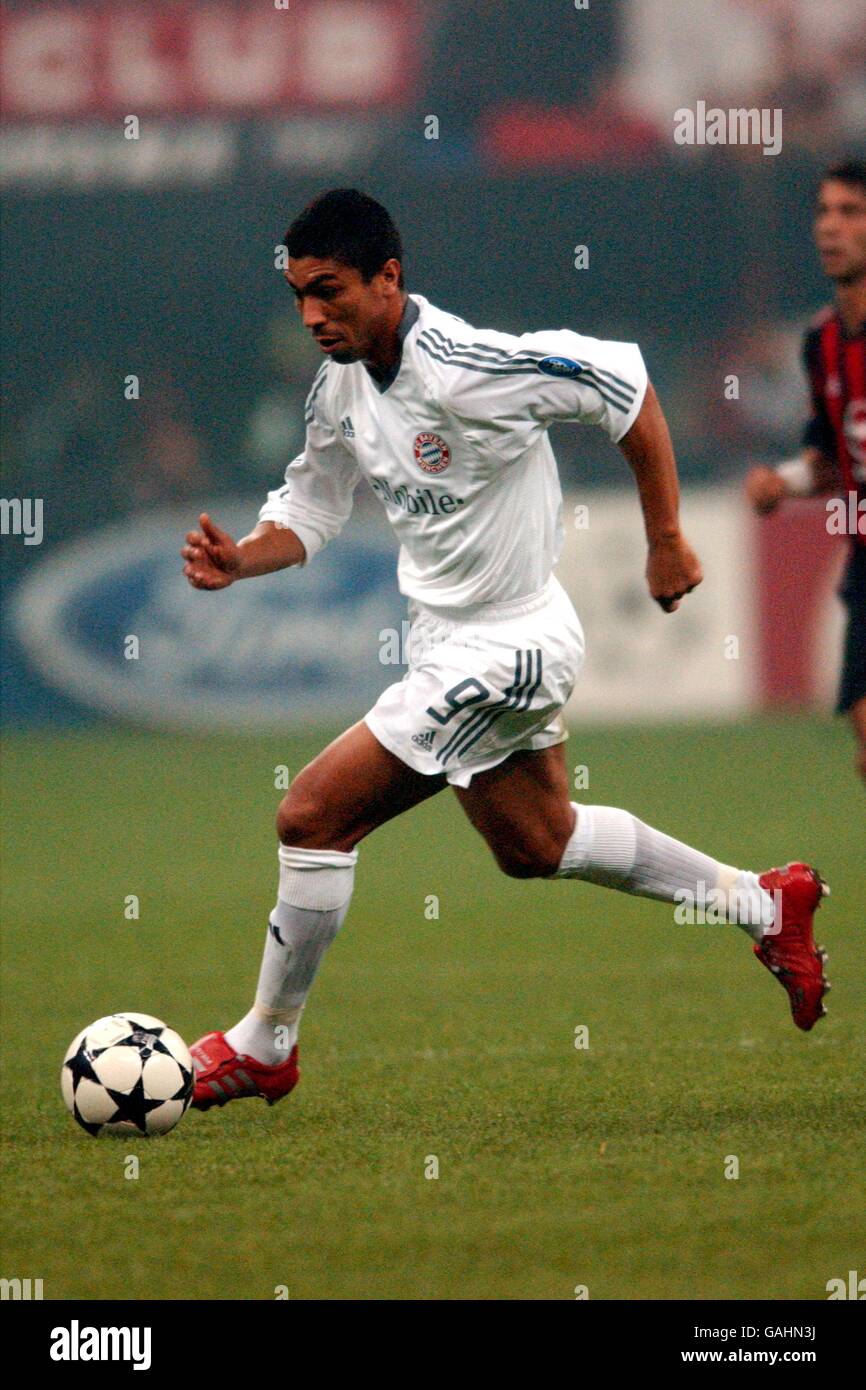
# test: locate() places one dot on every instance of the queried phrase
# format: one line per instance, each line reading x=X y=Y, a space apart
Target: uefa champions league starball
x=127 y=1074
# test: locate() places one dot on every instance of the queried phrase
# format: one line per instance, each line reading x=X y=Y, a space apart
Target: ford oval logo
x=277 y=651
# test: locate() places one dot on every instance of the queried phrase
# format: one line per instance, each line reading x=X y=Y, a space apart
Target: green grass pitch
x=451 y=1038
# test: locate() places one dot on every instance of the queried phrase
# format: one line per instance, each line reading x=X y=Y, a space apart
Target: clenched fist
x=672 y=570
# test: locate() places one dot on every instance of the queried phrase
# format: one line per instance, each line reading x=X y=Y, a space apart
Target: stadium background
x=154 y=776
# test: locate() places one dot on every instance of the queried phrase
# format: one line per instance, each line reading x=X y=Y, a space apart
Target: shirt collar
x=410 y=317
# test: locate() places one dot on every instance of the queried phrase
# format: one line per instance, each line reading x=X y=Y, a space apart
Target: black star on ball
x=81 y=1066
x=133 y=1105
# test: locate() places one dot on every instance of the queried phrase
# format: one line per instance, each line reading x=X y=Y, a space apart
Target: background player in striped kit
x=833 y=457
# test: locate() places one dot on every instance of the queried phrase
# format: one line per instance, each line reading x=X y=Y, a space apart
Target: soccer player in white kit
x=448 y=424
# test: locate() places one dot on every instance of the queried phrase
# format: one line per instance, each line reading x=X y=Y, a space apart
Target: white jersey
x=454 y=444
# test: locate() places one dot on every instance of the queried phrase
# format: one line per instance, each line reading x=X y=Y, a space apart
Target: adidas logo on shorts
x=425 y=740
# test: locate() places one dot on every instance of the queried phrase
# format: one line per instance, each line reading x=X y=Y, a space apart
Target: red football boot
x=221 y=1074
x=789 y=949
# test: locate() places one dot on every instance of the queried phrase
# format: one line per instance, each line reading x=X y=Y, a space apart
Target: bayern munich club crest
x=431 y=452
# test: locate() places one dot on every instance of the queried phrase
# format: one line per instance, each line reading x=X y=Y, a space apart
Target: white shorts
x=481 y=684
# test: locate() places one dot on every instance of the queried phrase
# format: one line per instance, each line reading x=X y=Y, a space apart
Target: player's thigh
x=353 y=786
x=522 y=807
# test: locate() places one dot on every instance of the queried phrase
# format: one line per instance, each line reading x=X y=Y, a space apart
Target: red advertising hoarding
x=92 y=61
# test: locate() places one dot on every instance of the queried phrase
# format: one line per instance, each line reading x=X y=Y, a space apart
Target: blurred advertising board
x=104 y=61
x=109 y=624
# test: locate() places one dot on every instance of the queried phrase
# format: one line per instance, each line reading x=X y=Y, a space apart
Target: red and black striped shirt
x=836 y=365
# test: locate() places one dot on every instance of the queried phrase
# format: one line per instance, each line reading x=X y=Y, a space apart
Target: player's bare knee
x=296 y=821
x=540 y=860
x=304 y=822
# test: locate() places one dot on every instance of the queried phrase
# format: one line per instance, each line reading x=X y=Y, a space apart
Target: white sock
x=314 y=895
x=614 y=848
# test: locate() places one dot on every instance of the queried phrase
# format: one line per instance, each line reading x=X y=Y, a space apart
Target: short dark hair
x=349 y=227
x=847 y=171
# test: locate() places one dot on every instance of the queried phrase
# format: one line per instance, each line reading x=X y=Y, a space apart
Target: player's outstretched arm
x=214 y=560
x=811 y=474
x=673 y=568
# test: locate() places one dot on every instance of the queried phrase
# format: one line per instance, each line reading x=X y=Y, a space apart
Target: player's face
x=346 y=314
x=840 y=230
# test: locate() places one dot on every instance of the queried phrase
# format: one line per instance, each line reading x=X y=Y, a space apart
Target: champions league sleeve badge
x=560 y=366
